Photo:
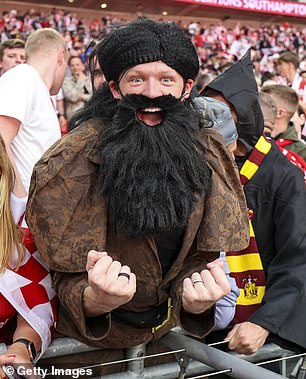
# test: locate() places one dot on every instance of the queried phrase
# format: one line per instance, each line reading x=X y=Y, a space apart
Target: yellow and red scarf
x=245 y=265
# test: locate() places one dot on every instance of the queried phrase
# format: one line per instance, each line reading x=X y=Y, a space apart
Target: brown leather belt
x=154 y=318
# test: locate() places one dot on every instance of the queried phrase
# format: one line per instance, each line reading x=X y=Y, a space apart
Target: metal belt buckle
x=166 y=320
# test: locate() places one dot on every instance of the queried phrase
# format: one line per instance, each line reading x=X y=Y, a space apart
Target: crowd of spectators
x=218 y=46
x=216 y=43
x=278 y=56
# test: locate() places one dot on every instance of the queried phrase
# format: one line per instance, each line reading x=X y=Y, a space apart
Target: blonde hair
x=44 y=40
x=284 y=97
x=10 y=236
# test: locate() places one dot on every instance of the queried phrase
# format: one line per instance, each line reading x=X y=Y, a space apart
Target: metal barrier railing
x=193 y=359
x=230 y=364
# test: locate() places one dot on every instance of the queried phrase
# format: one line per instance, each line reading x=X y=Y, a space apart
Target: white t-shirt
x=25 y=97
x=296 y=86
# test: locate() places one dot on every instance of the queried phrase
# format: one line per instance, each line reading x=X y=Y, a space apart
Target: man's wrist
x=92 y=308
x=189 y=308
x=28 y=345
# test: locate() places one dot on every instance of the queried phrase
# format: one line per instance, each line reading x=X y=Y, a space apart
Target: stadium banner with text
x=284 y=8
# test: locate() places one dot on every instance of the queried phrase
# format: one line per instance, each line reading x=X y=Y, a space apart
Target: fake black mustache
x=137 y=102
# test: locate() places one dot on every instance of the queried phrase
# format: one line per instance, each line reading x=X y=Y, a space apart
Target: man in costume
x=271 y=271
x=145 y=186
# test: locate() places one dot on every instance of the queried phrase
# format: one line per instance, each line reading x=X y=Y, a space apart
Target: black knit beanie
x=144 y=41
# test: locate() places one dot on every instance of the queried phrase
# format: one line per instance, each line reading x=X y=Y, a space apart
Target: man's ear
x=115 y=90
x=281 y=112
x=61 y=58
x=188 y=88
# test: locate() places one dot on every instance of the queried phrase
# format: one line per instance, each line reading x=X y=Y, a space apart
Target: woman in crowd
x=27 y=301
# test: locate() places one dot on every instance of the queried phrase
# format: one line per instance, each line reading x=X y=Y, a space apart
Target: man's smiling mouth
x=151 y=116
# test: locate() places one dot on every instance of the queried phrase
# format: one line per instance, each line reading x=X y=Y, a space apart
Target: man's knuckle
x=109 y=288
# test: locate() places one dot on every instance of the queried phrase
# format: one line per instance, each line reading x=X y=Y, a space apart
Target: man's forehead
x=153 y=67
x=76 y=59
x=14 y=50
x=280 y=62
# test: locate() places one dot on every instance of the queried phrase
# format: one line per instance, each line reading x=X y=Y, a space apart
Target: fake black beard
x=150 y=175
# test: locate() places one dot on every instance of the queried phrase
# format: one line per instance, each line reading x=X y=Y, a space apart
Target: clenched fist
x=110 y=284
x=202 y=290
x=247 y=337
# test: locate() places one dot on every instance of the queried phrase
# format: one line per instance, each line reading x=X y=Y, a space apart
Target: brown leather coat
x=68 y=217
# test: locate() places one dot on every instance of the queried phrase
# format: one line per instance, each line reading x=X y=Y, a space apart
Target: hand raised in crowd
x=247 y=337
x=110 y=284
x=80 y=76
x=202 y=290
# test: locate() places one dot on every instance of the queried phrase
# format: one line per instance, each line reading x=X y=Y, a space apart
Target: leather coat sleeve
x=197 y=325
x=70 y=289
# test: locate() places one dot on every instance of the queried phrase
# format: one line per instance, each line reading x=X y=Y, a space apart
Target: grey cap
x=221 y=116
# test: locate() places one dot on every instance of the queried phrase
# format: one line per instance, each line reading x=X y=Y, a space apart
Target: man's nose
x=152 y=89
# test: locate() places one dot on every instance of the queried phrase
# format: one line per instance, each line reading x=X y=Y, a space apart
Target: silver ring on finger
x=197 y=281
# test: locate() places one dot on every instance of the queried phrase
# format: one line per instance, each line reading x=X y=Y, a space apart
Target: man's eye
x=136 y=80
x=167 y=80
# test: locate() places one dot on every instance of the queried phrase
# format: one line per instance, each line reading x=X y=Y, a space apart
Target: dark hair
x=267 y=75
x=290 y=57
x=72 y=57
x=202 y=80
x=12 y=43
